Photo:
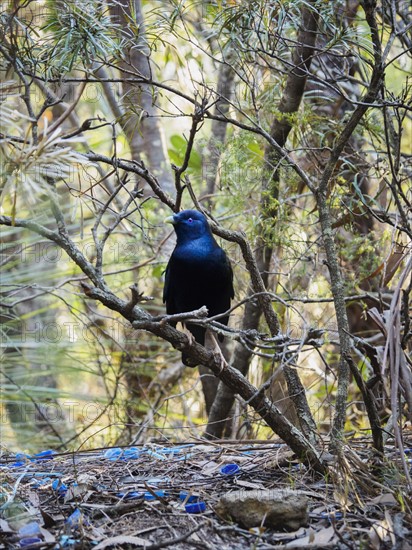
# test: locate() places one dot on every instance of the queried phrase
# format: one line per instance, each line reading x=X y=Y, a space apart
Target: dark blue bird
x=198 y=273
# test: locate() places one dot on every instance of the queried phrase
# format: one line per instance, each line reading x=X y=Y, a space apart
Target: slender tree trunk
x=211 y=161
x=137 y=110
x=281 y=127
x=217 y=139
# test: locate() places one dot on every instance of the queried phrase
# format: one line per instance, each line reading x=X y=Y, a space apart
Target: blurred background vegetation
x=120 y=79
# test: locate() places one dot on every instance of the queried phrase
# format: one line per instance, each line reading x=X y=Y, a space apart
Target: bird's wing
x=166 y=288
x=227 y=272
x=230 y=272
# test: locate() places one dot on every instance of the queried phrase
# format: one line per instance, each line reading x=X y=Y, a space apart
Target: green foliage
x=77 y=32
x=177 y=154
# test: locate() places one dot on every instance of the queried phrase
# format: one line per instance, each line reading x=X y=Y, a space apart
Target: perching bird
x=198 y=273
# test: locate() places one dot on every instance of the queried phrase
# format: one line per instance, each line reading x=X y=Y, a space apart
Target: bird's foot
x=212 y=344
x=219 y=357
x=185 y=359
x=190 y=336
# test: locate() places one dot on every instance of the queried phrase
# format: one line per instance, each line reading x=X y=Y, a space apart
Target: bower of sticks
x=191 y=495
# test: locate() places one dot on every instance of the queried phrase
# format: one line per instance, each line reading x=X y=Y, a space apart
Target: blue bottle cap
x=195 y=507
x=183 y=495
x=159 y=493
x=229 y=469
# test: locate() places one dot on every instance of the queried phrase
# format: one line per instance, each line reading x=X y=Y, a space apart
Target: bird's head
x=189 y=225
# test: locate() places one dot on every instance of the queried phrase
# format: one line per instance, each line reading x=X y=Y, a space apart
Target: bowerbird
x=198 y=274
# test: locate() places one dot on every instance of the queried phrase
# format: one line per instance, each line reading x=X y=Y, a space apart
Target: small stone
x=276 y=508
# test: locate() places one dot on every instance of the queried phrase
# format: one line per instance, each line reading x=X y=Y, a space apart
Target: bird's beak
x=170 y=219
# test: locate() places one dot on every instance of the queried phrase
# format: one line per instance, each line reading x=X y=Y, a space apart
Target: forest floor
x=137 y=497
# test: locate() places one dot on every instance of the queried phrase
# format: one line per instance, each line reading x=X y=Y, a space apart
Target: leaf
x=382 y=531
x=387 y=499
x=389 y=266
x=376 y=317
x=320 y=539
x=178 y=142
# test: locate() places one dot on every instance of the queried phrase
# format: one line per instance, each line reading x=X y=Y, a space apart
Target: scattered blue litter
x=195 y=507
x=17 y=464
x=35 y=483
x=185 y=457
x=408 y=451
x=229 y=469
x=21 y=460
x=154 y=454
x=60 y=487
x=183 y=495
x=157 y=480
x=131 y=453
x=66 y=542
x=22 y=456
x=175 y=450
x=29 y=530
x=113 y=454
x=75 y=519
x=44 y=455
x=29 y=541
x=331 y=515
x=159 y=493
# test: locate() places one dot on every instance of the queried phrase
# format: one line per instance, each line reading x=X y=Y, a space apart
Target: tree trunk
x=281 y=127
x=138 y=111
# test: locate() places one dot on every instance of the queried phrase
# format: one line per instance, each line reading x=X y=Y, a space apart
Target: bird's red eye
x=190 y=220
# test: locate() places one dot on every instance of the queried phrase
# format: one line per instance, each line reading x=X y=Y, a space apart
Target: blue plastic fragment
x=29 y=541
x=22 y=456
x=17 y=464
x=21 y=460
x=331 y=515
x=113 y=454
x=157 y=480
x=185 y=457
x=229 y=469
x=159 y=493
x=67 y=542
x=44 y=455
x=75 y=519
x=184 y=496
x=156 y=455
x=39 y=482
x=131 y=453
x=60 y=487
x=195 y=507
x=30 y=529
